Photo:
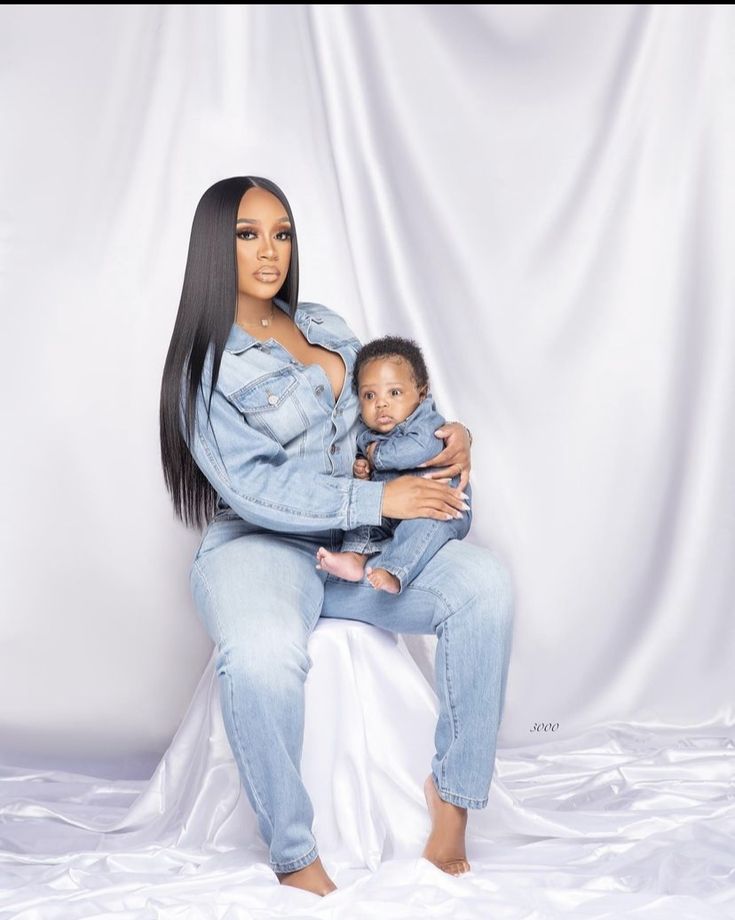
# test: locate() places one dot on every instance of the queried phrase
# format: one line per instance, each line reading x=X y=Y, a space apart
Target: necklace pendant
x=265 y=322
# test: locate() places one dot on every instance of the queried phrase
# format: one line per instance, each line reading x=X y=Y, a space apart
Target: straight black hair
x=207 y=310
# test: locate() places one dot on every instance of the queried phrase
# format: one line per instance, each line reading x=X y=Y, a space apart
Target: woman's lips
x=269 y=275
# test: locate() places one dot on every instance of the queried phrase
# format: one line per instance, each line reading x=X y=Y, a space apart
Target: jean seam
x=452 y=708
x=245 y=763
x=208 y=588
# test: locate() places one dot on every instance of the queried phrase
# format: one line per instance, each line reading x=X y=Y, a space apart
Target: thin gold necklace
x=260 y=322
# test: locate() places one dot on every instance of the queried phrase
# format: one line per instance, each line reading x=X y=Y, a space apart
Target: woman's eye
x=283 y=234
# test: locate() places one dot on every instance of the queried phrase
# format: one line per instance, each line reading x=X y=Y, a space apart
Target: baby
x=396 y=434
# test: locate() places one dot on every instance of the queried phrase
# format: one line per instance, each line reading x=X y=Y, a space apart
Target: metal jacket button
x=273 y=399
x=319 y=390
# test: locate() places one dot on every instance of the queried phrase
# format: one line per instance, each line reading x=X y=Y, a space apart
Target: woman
x=258 y=428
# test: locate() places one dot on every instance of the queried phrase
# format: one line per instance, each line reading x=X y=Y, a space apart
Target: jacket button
x=332 y=449
x=319 y=390
x=273 y=399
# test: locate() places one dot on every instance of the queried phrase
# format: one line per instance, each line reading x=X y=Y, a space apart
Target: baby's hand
x=361 y=468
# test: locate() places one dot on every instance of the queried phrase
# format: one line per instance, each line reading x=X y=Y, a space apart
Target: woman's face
x=263 y=233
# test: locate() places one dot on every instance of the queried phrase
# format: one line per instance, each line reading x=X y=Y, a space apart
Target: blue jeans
x=259 y=596
x=405 y=545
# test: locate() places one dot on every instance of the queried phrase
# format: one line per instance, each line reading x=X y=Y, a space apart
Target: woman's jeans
x=259 y=596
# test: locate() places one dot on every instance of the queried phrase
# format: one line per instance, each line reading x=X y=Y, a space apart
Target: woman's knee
x=273 y=665
x=487 y=578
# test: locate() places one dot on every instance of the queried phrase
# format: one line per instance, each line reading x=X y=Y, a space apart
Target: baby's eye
x=396 y=392
x=366 y=395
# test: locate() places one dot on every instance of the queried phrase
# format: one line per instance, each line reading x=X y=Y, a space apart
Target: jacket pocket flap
x=266 y=393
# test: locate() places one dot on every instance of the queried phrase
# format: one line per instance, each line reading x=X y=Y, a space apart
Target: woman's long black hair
x=207 y=310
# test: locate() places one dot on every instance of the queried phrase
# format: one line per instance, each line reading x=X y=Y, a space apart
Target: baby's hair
x=393 y=346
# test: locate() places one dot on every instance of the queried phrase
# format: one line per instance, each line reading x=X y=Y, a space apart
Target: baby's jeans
x=259 y=595
x=405 y=545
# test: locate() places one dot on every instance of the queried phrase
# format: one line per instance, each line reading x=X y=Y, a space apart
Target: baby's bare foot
x=383 y=580
x=312 y=878
x=445 y=846
x=349 y=566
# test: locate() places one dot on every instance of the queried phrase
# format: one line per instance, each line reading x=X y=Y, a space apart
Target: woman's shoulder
x=317 y=310
x=330 y=320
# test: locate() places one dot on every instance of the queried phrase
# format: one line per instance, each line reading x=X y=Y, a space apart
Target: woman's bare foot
x=383 y=580
x=349 y=566
x=445 y=846
x=312 y=878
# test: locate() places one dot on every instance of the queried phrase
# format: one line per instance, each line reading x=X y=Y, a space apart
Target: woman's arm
x=262 y=484
x=455 y=455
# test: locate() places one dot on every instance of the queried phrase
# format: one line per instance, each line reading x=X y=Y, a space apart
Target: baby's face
x=387 y=392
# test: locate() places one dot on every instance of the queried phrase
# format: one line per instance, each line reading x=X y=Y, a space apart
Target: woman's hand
x=416 y=496
x=456 y=454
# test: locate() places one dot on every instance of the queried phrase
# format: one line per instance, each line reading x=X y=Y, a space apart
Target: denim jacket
x=408 y=443
x=278 y=449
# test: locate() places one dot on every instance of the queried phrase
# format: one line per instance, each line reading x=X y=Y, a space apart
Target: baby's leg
x=415 y=541
x=358 y=545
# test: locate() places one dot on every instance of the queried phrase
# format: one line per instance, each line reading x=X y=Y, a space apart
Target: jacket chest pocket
x=271 y=404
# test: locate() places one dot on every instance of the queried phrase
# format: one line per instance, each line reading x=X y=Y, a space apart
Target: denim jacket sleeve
x=412 y=442
x=263 y=485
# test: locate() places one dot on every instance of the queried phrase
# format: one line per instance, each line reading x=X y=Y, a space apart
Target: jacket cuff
x=366 y=500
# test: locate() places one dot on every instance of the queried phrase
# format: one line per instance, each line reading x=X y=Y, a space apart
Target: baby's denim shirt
x=408 y=444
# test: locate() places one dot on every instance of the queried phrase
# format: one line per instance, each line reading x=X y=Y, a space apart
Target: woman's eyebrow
x=250 y=220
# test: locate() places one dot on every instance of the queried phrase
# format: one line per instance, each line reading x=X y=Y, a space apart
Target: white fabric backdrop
x=541 y=195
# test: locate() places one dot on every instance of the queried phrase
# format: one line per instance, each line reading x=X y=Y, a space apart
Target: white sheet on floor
x=628 y=820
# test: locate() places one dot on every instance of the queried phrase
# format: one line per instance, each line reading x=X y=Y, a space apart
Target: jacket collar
x=239 y=340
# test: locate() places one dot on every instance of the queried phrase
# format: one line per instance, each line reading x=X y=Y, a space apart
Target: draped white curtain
x=542 y=196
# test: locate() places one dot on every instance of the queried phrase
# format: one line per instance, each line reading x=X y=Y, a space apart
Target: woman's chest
x=294 y=392
x=331 y=362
